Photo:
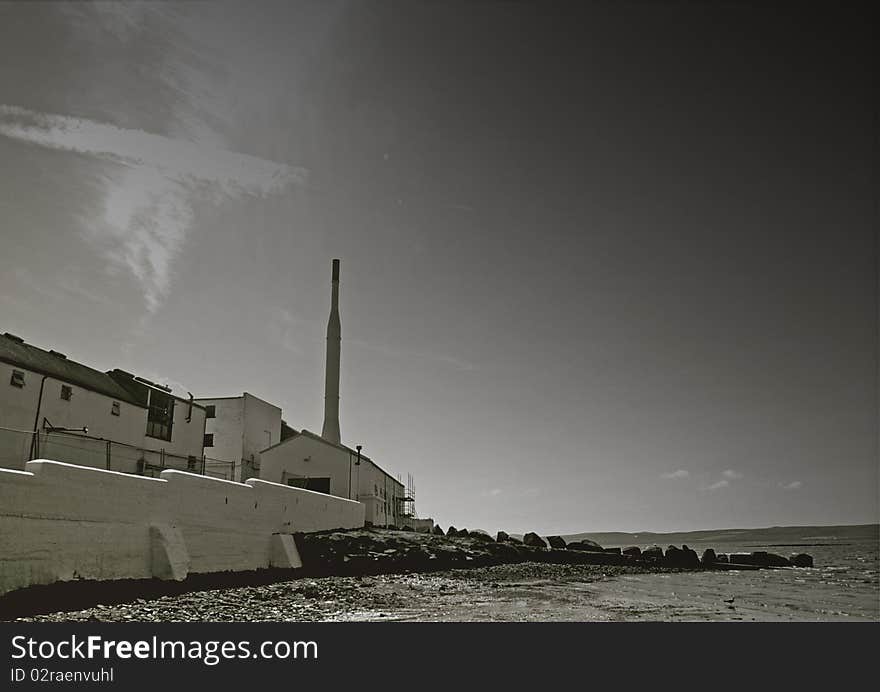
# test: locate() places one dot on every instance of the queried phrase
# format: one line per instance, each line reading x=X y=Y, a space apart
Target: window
x=160 y=415
x=114 y=408
x=319 y=485
x=17 y=379
x=66 y=392
x=209 y=440
x=211 y=411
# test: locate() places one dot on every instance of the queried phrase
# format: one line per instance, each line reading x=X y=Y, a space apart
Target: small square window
x=209 y=440
x=211 y=411
x=17 y=379
x=66 y=392
x=114 y=409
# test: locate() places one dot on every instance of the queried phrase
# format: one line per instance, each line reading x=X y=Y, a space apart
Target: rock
x=689 y=556
x=451 y=531
x=437 y=531
x=482 y=536
x=709 y=557
x=557 y=542
x=760 y=558
x=802 y=560
x=463 y=532
x=654 y=553
x=407 y=528
x=774 y=560
x=633 y=551
x=722 y=557
x=673 y=556
x=534 y=540
x=615 y=551
x=586 y=544
x=502 y=537
x=514 y=539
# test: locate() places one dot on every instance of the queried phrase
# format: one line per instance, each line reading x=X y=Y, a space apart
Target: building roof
x=14 y=351
x=309 y=434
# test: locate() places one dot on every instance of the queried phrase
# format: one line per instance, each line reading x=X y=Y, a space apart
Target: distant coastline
x=772 y=535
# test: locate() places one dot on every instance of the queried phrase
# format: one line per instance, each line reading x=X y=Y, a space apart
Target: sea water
x=844 y=584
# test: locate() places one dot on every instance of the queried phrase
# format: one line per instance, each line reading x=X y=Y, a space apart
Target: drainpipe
x=189 y=414
x=37 y=418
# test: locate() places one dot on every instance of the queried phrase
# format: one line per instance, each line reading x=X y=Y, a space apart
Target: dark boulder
x=407 y=528
x=514 y=539
x=437 y=530
x=722 y=557
x=774 y=560
x=632 y=551
x=614 y=551
x=534 y=540
x=463 y=532
x=557 y=542
x=451 y=531
x=673 y=555
x=802 y=560
x=653 y=553
x=760 y=558
x=709 y=557
x=587 y=545
x=482 y=536
x=502 y=537
x=690 y=557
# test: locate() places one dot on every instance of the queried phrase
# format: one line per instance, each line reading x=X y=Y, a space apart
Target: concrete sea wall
x=60 y=522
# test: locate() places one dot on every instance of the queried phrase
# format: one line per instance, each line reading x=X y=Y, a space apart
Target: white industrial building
x=238 y=428
x=54 y=407
x=307 y=460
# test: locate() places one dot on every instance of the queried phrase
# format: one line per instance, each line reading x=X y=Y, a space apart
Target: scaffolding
x=408 y=501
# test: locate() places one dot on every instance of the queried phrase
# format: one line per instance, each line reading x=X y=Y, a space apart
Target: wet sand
x=519 y=592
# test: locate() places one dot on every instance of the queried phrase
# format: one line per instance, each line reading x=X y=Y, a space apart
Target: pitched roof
x=309 y=434
x=14 y=351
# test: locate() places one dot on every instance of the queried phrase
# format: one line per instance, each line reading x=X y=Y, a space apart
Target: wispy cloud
x=678 y=473
x=794 y=485
x=148 y=201
x=720 y=484
x=385 y=350
x=731 y=475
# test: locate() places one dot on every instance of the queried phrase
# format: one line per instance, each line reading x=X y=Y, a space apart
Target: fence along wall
x=60 y=522
x=86 y=450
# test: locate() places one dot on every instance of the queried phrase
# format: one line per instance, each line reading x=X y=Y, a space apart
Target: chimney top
x=336 y=270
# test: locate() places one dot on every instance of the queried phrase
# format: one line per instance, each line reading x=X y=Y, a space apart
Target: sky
x=605 y=266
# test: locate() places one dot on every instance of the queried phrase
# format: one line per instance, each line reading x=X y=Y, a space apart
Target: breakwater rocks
x=377 y=551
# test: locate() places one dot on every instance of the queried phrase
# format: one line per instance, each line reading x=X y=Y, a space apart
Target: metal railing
x=17 y=447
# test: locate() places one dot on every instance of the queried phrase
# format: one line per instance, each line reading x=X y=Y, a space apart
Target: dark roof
x=15 y=351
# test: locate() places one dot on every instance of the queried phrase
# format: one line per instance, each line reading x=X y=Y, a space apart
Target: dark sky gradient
x=583 y=246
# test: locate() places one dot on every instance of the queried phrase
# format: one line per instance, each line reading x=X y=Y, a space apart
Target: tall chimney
x=330 y=431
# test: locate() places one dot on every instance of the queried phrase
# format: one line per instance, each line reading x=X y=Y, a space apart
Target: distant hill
x=799 y=535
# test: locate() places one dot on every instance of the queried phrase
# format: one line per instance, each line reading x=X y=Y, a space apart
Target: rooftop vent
x=13 y=337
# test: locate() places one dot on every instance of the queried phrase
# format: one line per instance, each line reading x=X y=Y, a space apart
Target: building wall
x=227 y=427
x=242 y=427
x=18 y=407
x=305 y=457
x=60 y=522
x=379 y=492
x=262 y=429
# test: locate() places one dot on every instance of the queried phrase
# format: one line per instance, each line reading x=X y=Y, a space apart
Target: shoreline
x=340 y=555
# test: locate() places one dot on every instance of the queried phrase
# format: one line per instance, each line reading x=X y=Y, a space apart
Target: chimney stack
x=330 y=431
